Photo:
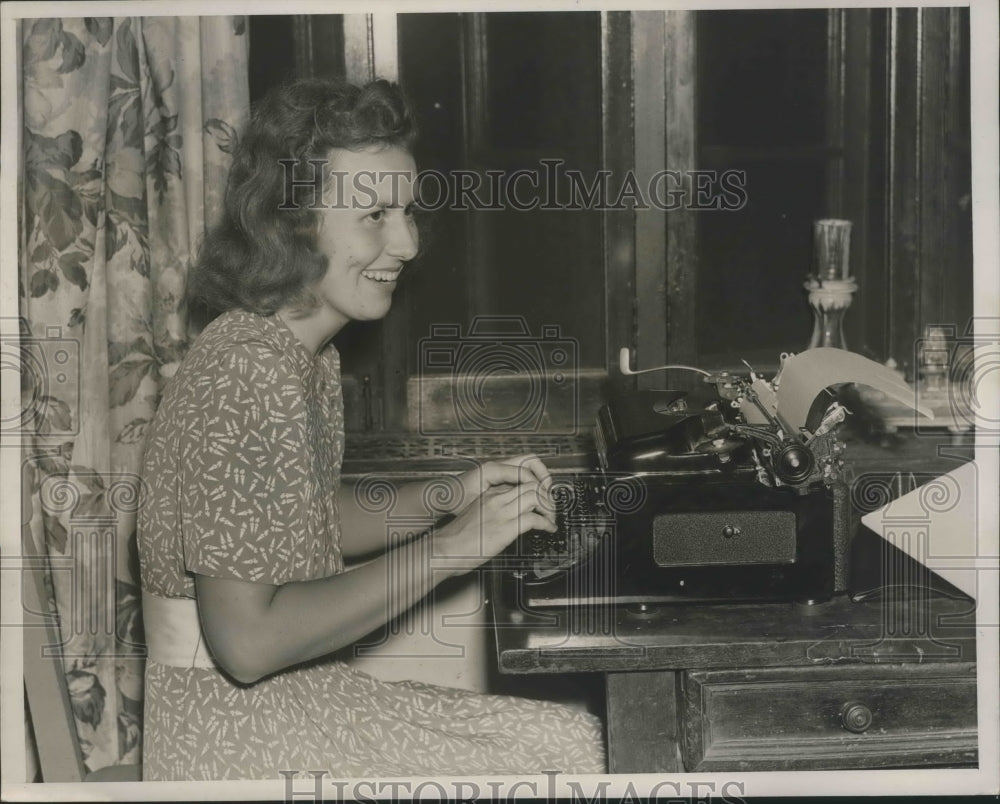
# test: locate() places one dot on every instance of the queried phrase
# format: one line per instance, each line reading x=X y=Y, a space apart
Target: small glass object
x=934 y=356
x=832 y=240
x=831 y=287
x=829 y=300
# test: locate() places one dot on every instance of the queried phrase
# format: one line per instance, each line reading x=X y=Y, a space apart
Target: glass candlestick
x=829 y=299
x=831 y=286
x=832 y=248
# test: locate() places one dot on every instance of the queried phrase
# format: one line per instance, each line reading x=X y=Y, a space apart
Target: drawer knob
x=855 y=716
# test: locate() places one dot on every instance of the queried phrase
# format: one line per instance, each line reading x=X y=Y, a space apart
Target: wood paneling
x=928 y=260
x=905 y=180
x=649 y=31
x=642 y=723
x=854 y=195
x=618 y=158
x=681 y=155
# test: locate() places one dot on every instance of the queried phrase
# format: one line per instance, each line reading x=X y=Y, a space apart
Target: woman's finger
x=534 y=521
x=521 y=469
x=523 y=499
x=533 y=464
x=503 y=496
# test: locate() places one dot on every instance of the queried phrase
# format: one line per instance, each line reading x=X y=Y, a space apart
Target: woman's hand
x=506 y=472
x=363 y=532
x=490 y=523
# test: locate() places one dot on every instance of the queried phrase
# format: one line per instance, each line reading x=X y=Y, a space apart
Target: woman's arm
x=363 y=518
x=257 y=629
x=363 y=523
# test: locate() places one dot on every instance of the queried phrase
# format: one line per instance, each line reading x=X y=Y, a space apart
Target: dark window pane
x=542 y=70
x=271 y=58
x=753 y=262
x=762 y=77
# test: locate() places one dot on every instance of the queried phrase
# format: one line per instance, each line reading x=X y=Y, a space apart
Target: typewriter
x=735 y=491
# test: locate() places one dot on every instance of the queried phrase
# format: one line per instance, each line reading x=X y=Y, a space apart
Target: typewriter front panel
x=726 y=541
x=701 y=540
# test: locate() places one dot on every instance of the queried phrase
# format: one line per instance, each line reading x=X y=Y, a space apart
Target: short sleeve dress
x=242 y=470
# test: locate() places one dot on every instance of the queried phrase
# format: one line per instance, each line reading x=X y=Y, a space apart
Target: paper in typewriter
x=805 y=375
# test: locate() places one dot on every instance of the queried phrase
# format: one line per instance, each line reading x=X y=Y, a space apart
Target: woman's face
x=367 y=232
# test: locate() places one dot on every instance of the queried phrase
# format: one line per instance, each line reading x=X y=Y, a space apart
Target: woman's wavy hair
x=262 y=256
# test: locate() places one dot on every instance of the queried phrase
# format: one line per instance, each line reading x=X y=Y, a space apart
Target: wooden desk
x=777 y=686
x=754 y=687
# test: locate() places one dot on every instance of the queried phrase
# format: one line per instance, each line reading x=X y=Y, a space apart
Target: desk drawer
x=858 y=716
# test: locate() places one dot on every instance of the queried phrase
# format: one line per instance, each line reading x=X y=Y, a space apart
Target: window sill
x=420 y=455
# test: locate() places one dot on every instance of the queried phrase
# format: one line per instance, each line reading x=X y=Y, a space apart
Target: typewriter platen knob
x=794 y=463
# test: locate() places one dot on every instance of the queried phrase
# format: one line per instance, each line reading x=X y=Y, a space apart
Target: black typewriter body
x=690 y=504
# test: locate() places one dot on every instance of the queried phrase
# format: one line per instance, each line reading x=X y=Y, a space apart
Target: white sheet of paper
x=805 y=375
x=938 y=525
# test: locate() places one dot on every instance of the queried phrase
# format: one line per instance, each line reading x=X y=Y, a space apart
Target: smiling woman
x=243 y=532
x=282 y=191
x=367 y=233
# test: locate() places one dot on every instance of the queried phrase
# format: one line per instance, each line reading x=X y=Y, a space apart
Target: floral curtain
x=128 y=125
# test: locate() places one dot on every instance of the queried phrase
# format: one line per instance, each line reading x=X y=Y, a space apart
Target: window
x=859 y=113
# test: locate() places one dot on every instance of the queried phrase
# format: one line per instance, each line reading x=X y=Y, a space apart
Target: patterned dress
x=242 y=470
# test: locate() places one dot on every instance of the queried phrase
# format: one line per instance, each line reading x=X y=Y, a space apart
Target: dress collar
x=282 y=337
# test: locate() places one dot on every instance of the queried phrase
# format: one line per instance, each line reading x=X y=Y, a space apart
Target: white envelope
x=938 y=525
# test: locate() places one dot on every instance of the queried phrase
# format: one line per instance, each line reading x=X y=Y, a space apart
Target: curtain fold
x=128 y=127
